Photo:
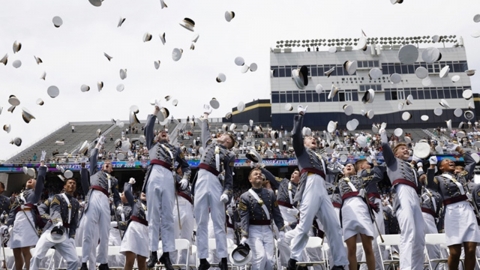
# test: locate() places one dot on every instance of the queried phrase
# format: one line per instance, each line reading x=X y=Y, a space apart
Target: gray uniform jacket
x=398 y=170
x=306 y=158
x=447 y=188
x=100 y=180
x=139 y=207
x=162 y=151
x=30 y=198
x=227 y=159
x=59 y=212
x=282 y=185
x=251 y=211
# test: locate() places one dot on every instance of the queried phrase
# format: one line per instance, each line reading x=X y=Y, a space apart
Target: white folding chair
x=48 y=260
x=193 y=262
x=435 y=239
x=316 y=243
x=183 y=244
x=9 y=257
x=115 y=251
x=389 y=240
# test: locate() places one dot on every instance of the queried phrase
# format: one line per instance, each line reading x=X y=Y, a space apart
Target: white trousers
x=433 y=250
x=66 y=249
x=160 y=201
x=187 y=221
x=412 y=226
x=208 y=191
x=316 y=202
x=79 y=242
x=288 y=214
x=97 y=218
x=260 y=240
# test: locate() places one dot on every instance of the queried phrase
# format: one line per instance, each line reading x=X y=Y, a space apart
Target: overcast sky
x=73 y=54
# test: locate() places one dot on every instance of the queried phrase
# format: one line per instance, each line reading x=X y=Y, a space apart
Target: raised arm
x=297 y=135
x=386 y=150
x=127 y=190
x=205 y=135
x=277 y=215
x=149 y=129
x=116 y=196
x=469 y=163
x=93 y=161
x=42 y=171
x=228 y=167
x=84 y=180
x=274 y=181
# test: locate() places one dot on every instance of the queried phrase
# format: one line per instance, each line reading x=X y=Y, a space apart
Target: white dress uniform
x=257 y=208
x=97 y=211
x=314 y=200
x=404 y=179
x=207 y=191
x=64 y=209
x=135 y=239
x=460 y=220
x=186 y=219
x=23 y=212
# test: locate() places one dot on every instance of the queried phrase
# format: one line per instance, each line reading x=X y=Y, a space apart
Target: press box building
x=382 y=53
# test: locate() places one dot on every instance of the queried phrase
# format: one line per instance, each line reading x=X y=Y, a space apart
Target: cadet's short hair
x=233 y=140
x=398 y=146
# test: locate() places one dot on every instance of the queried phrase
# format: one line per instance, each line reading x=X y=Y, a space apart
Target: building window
x=398 y=94
x=341 y=96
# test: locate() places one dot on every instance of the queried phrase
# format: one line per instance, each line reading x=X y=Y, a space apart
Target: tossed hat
x=188 y=24
x=408 y=54
x=27 y=116
x=120 y=21
x=421 y=150
x=100 y=86
x=455 y=78
x=7 y=128
x=177 y=54
x=147 y=37
x=133 y=119
x=44 y=75
x=458 y=112
x=449 y=124
x=96 y=3
x=398 y=132
x=431 y=55
x=40 y=102
x=254 y=67
x=362 y=141
x=438 y=111
x=288 y=107
x=57 y=235
x=17 y=46
x=396 y=2
x=421 y=72
x=123 y=74
x=444 y=103
x=406 y=116
x=319 y=89
x=460 y=133
x=409 y=100
x=13 y=100
x=120 y=87
x=300 y=76
x=240 y=106
x=17 y=63
x=221 y=78
x=424 y=117
x=444 y=71
x=241 y=255
x=333 y=91
x=17 y=141
x=53 y=91
x=57 y=21
x=395 y=78
x=239 y=61
x=332 y=126
x=467 y=94
x=427 y=81
x=163 y=4
x=254 y=155
x=163 y=114
x=4 y=59
x=229 y=15
x=156 y=64
x=162 y=38
x=228 y=115
x=306 y=131
x=350 y=67
x=134 y=109
x=38 y=60
x=469 y=115
x=369 y=96
x=329 y=72
x=84 y=88
x=375 y=73
x=214 y=103
x=348 y=109
x=369 y=114
x=469 y=72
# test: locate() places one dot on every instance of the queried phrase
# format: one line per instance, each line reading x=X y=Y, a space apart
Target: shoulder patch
x=47 y=202
x=478 y=194
x=275 y=203
x=231 y=164
x=181 y=155
x=55 y=200
x=242 y=206
x=435 y=180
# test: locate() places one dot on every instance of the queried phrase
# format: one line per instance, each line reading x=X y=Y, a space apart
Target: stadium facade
x=379 y=53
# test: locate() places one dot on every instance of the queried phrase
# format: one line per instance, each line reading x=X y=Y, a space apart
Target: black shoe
x=204 y=265
x=103 y=266
x=223 y=265
x=165 y=260
x=292 y=264
x=152 y=261
x=84 y=266
x=337 y=267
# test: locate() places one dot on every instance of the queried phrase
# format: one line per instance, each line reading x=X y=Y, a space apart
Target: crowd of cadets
x=341 y=203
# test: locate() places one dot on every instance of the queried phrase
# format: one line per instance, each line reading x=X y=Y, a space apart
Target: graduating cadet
x=22 y=216
x=159 y=187
x=313 y=197
x=461 y=228
x=257 y=207
x=64 y=216
x=103 y=188
x=404 y=179
x=212 y=190
x=135 y=241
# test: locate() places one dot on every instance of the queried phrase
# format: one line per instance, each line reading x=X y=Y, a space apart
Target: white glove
x=59 y=224
x=416 y=159
x=82 y=204
x=3 y=230
x=44 y=154
x=301 y=109
x=419 y=164
x=183 y=183
x=132 y=181
x=243 y=241
x=224 y=198
x=281 y=235
x=383 y=135
x=433 y=160
x=469 y=197
x=335 y=154
x=120 y=208
x=101 y=141
x=10 y=229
